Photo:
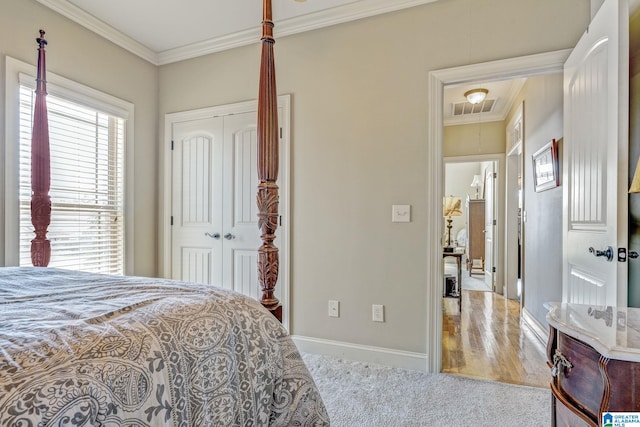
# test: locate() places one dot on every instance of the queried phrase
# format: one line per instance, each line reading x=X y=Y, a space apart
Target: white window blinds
x=87 y=185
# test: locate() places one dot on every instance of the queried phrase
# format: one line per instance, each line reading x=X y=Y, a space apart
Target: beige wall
x=474 y=139
x=78 y=54
x=359 y=114
x=542 y=264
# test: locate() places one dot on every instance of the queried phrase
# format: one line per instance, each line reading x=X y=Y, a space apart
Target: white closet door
x=197 y=197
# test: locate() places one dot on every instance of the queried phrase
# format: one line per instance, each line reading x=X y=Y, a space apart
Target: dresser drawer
x=583 y=384
x=563 y=414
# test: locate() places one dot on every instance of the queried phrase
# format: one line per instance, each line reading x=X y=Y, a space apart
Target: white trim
x=324 y=18
x=164 y=216
x=362 y=353
x=512 y=227
x=90 y=22
x=541 y=334
x=16 y=70
x=544 y=63
x=67 y=89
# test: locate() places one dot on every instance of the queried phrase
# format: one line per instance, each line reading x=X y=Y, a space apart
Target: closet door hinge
x=280 y=133
x=495 y=222
x=171 y=219
x=493 y=269
x=172 y=145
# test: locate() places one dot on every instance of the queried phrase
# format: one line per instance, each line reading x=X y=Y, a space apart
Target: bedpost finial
x=41 y=40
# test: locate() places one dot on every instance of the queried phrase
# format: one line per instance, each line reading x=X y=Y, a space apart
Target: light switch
x=401 y=213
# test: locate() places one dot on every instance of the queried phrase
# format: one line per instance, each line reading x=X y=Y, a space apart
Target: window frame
x=17 y=73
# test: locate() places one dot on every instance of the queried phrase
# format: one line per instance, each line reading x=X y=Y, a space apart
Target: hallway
x=488 y=342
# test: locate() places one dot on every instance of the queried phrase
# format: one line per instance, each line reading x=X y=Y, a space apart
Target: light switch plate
x=401 y=213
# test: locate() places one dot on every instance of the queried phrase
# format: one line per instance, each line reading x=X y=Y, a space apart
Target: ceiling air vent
x=466 y=108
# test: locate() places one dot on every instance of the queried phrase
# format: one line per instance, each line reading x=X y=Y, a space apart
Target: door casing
x=525 y=66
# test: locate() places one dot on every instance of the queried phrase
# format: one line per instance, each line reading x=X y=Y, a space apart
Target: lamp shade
x=635 y=184
x=476 y=96
x=452 y=206
x=476 y=181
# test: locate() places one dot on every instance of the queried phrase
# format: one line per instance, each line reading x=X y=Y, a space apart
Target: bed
x=80 y=348
x=135 y=351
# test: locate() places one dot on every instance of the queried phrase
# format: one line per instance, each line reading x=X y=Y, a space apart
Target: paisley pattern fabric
x=80 y=349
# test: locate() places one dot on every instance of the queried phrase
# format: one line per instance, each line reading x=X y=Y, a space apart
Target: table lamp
x=452 y=206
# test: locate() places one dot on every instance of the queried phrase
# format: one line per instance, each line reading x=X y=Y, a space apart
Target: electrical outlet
x=334 y=308
x=378 y=313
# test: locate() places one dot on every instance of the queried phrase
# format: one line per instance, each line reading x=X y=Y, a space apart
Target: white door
x=489 y=200
x=215 y=234
x=595 y=152
x=240 y=217
x=197 y=200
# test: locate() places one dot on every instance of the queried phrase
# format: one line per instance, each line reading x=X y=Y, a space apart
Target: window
x=87 y=186
x=88 y=144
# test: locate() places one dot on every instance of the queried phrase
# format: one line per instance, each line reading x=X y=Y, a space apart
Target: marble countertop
x=614 y=332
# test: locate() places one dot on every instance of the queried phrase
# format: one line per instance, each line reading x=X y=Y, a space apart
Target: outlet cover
x=378 y=313
x=334 y=308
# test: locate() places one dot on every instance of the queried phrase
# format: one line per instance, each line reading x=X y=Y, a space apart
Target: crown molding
x=337 y=15
x=90 y=22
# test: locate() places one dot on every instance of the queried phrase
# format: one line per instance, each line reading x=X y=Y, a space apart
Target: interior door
x=489 y=201
x=595 y=152
x=215 y=235
x=197 y=200
x=240 y=219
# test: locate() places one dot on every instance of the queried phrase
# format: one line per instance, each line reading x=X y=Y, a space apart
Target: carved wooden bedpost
x=268 y=260
x=40 y=166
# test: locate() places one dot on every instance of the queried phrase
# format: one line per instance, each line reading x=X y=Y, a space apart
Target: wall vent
x=467 y=108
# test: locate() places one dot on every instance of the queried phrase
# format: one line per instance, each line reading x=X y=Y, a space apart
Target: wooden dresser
x=594 y=354
x=475 y=235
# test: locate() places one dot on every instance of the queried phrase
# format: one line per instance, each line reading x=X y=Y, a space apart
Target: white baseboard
x=538 y=330
x=362 y=353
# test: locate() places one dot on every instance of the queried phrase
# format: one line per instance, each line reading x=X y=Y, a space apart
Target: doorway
x=514 y=203
x=497 y=70
x=470 y=178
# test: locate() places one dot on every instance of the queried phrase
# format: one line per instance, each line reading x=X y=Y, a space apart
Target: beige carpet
x=368 y=395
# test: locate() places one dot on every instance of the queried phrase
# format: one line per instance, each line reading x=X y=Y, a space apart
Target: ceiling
x=503 y=94
x=167 y=31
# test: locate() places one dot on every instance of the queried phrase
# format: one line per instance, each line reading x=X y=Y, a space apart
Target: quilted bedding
x=93 y=350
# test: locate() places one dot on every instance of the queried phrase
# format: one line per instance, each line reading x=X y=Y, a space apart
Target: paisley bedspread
x=82 y=349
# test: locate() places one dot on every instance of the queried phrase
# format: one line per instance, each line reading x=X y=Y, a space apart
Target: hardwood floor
x=488 y=341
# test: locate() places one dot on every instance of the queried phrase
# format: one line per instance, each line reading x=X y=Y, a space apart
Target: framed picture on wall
x=545 y=167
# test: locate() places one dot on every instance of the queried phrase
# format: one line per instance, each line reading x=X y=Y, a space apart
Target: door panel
x=197 y=200
x=241 y=211
x=595 y=144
